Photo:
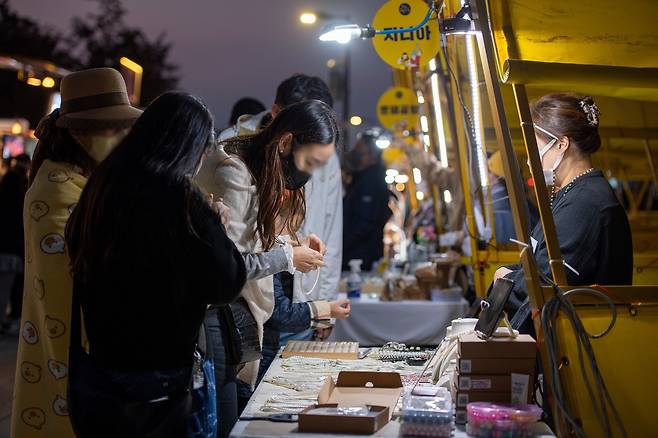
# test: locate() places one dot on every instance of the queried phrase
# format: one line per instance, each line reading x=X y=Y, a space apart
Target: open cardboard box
x=380 y=391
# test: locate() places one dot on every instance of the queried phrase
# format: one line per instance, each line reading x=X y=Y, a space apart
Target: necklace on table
x=568 y=186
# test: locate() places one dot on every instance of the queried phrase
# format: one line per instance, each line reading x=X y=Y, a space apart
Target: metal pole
x=346 y=83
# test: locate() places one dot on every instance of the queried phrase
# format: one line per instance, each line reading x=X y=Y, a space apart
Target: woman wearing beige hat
x=94 y=116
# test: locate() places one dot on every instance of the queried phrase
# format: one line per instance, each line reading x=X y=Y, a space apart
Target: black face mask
x=295 y=178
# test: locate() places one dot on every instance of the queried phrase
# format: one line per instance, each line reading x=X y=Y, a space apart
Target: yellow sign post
x=397 y=109
x=406 y=49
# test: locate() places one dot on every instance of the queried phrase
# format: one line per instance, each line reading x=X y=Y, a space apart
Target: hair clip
x=591 y=110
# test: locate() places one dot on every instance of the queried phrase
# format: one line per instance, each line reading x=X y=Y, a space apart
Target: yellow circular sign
x=407 y=49
x=397 y=109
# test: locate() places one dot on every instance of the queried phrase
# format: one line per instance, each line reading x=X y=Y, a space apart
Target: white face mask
x=99 y=146
x=549 y=174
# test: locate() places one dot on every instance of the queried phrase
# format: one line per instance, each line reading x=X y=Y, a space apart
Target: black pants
x=225 y=376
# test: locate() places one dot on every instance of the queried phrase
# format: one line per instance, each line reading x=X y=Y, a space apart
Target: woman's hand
x=315 y=243
x=305 y=259
x=340 y=309
x=220 y=210
x=501 y=272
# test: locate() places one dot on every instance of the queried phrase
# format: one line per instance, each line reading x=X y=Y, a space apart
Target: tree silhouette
x=99 y=39
x=24 y=37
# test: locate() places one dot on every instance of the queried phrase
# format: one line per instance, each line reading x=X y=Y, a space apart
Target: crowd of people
x=166 y=261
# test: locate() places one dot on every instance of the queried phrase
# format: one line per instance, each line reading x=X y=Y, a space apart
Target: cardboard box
x=486 y=365
x=471 y=347
x=381 y=391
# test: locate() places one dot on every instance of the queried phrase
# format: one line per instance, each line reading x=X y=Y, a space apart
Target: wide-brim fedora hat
x=95 y=99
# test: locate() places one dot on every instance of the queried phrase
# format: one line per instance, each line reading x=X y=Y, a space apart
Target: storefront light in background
x=447 y=196
x=438 y=114
x=308 y=18
x=421 y=98
x=424 y=125
x=420 y=196
x=417 y=176
x=55 y=102
x=402 y=179
x=16 y=128
x=356 y=120
x=390 y=179
x=48 y=82
x=35 y=82
x=382 y=142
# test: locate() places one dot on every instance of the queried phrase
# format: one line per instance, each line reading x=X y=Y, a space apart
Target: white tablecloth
x=374 y=323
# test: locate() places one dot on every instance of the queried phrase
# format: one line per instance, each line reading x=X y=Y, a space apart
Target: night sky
x=230 y=49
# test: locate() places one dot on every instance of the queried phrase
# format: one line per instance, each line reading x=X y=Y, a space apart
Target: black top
x=594 y=237
x=143 y=309
x=365 y=212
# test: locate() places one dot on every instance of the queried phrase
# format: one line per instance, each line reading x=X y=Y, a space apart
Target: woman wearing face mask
x=94 y=116
x=259 y=177
x=592 y=227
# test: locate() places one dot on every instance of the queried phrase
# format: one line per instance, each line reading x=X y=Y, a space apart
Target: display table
x=374 y=323
x=265 y=391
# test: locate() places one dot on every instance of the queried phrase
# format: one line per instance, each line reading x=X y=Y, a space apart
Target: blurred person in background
x=12 y=246
x=245 y=106
x=366 y=203
x=94 y=117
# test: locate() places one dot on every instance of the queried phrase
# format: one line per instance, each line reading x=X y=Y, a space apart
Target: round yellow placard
x=408 y=49
x=397 y=109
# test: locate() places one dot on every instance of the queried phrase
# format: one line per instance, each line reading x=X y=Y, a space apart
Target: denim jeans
x=225 y=377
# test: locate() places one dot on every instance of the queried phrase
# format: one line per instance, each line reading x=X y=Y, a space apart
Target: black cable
x=602 y=399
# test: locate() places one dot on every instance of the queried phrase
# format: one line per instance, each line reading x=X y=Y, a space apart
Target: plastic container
x=354 y=280
x=501 y=420
x=424 y=416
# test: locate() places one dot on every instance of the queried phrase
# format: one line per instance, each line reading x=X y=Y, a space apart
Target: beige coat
x=227 y=177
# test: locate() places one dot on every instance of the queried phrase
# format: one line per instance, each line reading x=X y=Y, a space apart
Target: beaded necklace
x=568 y=186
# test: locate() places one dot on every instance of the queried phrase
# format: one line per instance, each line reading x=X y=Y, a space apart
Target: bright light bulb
x=421 y=99
x=342 y=34
x=308 y=18
x=392 y=172
x=399 y=187
x=426 y=140
x=35 y=82
x=417 y=175
x=331 y=63
x=390 y=179
x=16 y=128
x=432 y=64
x=425 y=126
x=402 y=179
x=356 y=120
x=447 y=196
x=420 y=196
x=382 y=143
x=48 y=82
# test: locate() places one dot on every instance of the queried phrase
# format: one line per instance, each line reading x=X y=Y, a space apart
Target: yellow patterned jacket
x=39 y=406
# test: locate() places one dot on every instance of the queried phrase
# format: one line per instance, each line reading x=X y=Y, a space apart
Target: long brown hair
x=309 y=122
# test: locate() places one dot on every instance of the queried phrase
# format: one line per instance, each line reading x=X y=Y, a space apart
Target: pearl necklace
x=568 y=186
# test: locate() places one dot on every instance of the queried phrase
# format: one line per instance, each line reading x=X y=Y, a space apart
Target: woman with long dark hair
x=149 y=254
x=261 y=179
